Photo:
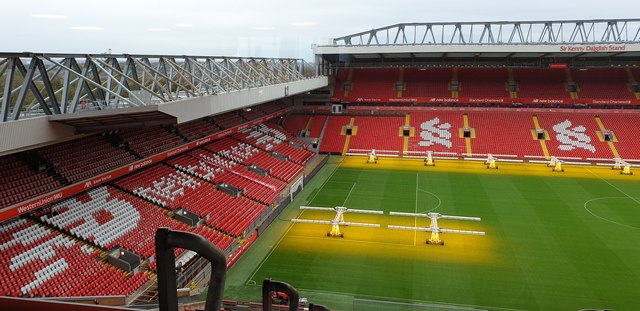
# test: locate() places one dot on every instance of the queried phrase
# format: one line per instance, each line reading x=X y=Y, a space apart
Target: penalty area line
x=614 y=187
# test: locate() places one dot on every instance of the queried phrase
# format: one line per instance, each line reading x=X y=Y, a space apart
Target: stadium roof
x=603 y=38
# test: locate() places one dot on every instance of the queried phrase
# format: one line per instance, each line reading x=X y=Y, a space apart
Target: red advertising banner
x=44 y=200
x=244 y=247
x=424 y=100
x=545 y=101
x=610 y=101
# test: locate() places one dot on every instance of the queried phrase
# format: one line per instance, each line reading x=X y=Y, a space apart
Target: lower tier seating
x=36 y=262
x=569 y=134
x=170 y=188
x=109 y=217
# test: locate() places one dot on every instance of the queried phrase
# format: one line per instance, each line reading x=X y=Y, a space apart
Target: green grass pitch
x=551 y=243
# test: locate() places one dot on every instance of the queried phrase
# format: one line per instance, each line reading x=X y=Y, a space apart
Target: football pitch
x=554 y=241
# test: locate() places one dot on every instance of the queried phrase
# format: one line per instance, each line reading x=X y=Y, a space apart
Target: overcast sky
x=250 y=27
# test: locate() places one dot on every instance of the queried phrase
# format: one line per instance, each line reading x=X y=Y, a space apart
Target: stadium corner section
x=310 y=170
x=239 y=284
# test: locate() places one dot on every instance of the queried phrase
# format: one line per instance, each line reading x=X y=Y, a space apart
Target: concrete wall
x=27 y=133
x=191 y=109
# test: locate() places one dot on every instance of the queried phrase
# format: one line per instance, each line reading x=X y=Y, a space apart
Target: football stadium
x=416 y=166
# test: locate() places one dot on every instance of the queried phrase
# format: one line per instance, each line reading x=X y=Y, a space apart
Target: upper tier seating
x=84 y=158
x=602 y=83
x=151 y=140
x=18 y=182
x=228 y=120
x=198 y=129
x=541 y=83
x=477 y=83
x=295 y=123
x=272 y=107
x=486 y=82
x=35 y=262
x=252 y=113
x=371 y=83
x=427 y=82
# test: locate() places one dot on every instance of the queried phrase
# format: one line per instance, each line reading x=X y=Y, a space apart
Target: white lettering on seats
x=40 y=252
x=442 y=133
x=103 y=219
x=572 y=138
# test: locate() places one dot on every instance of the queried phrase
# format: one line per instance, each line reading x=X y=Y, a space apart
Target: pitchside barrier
x=483 y=157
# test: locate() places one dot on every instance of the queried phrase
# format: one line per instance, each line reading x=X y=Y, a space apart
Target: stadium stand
x=108 y=217
x=260 y=191
x=626 y=132
x=574 y=135
x=258 y=139
x=317 y=123
x=602 y=83
x=569 y=134
x=282 y=169
x=485 y=82
x=541 y=83
x=296 y=123
x=151 y=140
x=437 y=131
x=427 y=82
x=384 y=132
x=83 y=158
x=272 y=107
x=228 y=120
x=197 y=167
x=198 y=129
x=504 y=132
x=232 y=149
x=170 y=188
x=19 y=182
x=334 y=137
x=252 y=113
x=372 y=83
x=35 y=262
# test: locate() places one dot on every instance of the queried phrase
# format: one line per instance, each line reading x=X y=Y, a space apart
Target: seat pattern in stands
x=84 y=158
x=18 y=182
x=35 y=262
x=151 y=140
x=170 y=188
